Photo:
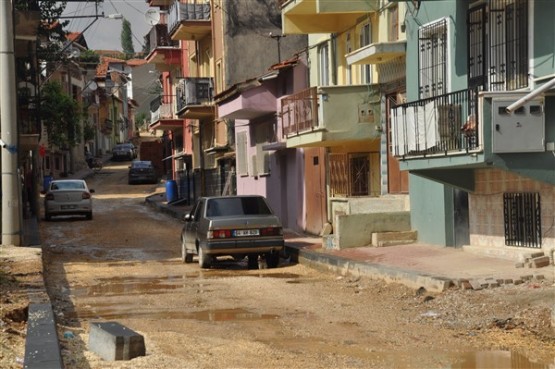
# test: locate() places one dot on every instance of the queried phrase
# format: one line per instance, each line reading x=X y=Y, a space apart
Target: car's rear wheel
x=252 y=261
x=204 y=260
x=272 y=259
x=89 y=216
x=47 y=216
x=186 y=257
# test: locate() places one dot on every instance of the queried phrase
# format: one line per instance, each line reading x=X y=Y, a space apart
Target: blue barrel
x=46 y=182
x=171 y=190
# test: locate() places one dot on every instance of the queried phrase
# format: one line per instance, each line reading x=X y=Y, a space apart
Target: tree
x=126 y=38
x=61 y=115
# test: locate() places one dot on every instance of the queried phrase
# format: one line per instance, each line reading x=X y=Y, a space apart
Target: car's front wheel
x=204 y=260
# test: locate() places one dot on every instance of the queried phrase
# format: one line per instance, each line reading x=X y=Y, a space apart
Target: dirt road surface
x=124 y=266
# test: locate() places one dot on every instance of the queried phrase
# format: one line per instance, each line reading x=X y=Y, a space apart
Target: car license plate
x=67 y=207
x=246 y=232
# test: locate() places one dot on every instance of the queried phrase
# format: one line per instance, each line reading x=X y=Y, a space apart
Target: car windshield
x=69 y=185
x=236 y=206
x=141 y=164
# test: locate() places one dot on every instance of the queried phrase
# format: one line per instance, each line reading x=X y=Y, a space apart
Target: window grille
x=522 y=218
x=432 y=42
x=350 y=174
x=498 y=45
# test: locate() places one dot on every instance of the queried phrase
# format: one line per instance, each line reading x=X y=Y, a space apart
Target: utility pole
x=11 y=196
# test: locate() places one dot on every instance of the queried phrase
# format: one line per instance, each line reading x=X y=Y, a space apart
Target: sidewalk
x=415 y=265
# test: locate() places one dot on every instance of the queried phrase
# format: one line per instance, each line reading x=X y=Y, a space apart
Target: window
x=432 y=43
x=393 y=22
x=350 y=174
x=242 y=164
x=522 y=219
x=365 y=40
x=498 y=45
x=348 y=69
x=323 y=65
x=263 y=133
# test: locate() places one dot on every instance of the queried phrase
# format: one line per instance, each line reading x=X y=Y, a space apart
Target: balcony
x=250 y=104
x=323 y=16
x=161 y=49
x=189 y=21
x=163 y=113
x=377 y=53
x=194 y=98
x=331 y=115
x=437 y=126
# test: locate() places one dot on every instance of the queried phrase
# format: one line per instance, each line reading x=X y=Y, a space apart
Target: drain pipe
x=523 y=100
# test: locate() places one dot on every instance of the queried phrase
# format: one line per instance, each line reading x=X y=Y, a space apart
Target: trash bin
x=171 y=191
x=46 y=182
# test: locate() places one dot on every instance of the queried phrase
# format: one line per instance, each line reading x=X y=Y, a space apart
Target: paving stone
x=476 y=284
x=519 y=265
x=508 y=281
x=540 y=262
x=465 y=285
x=527 y=277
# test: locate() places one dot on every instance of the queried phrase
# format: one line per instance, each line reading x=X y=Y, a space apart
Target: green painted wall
x=432 y=212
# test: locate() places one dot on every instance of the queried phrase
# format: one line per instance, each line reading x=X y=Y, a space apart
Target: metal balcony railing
x=299 y=112
x=162 y=107
x=159 y=37
x=436 y=126
x=193 y=91
x=191 y=11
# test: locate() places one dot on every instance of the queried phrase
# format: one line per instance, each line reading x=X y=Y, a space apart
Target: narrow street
x=124 y=266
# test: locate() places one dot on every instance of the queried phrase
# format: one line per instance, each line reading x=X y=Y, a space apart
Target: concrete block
x=381 y=239
x=539 y=262
x=113 y=341
x=519 y=265
x=526 y=277
x=539 y=277
x=476 y=284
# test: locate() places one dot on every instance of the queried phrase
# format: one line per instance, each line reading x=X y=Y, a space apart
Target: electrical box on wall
x=520 y=131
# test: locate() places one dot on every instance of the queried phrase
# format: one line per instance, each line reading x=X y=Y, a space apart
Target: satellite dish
x=152 y=16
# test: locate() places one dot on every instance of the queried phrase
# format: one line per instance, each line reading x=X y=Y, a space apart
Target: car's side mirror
x=91 y=190
x=187 y=217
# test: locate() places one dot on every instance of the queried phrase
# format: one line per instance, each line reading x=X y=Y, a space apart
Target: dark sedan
x=142 y=171
x=236 y=226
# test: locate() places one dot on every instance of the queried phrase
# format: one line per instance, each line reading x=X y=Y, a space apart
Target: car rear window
x=235 y=206
x=68 y=185
x=141 y=164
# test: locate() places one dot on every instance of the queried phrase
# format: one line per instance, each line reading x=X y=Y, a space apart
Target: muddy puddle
x=220 y=315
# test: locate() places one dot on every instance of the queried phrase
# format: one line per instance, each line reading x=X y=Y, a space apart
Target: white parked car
x=68 y=197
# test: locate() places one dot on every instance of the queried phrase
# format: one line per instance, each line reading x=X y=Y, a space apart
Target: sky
x=104 y=34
